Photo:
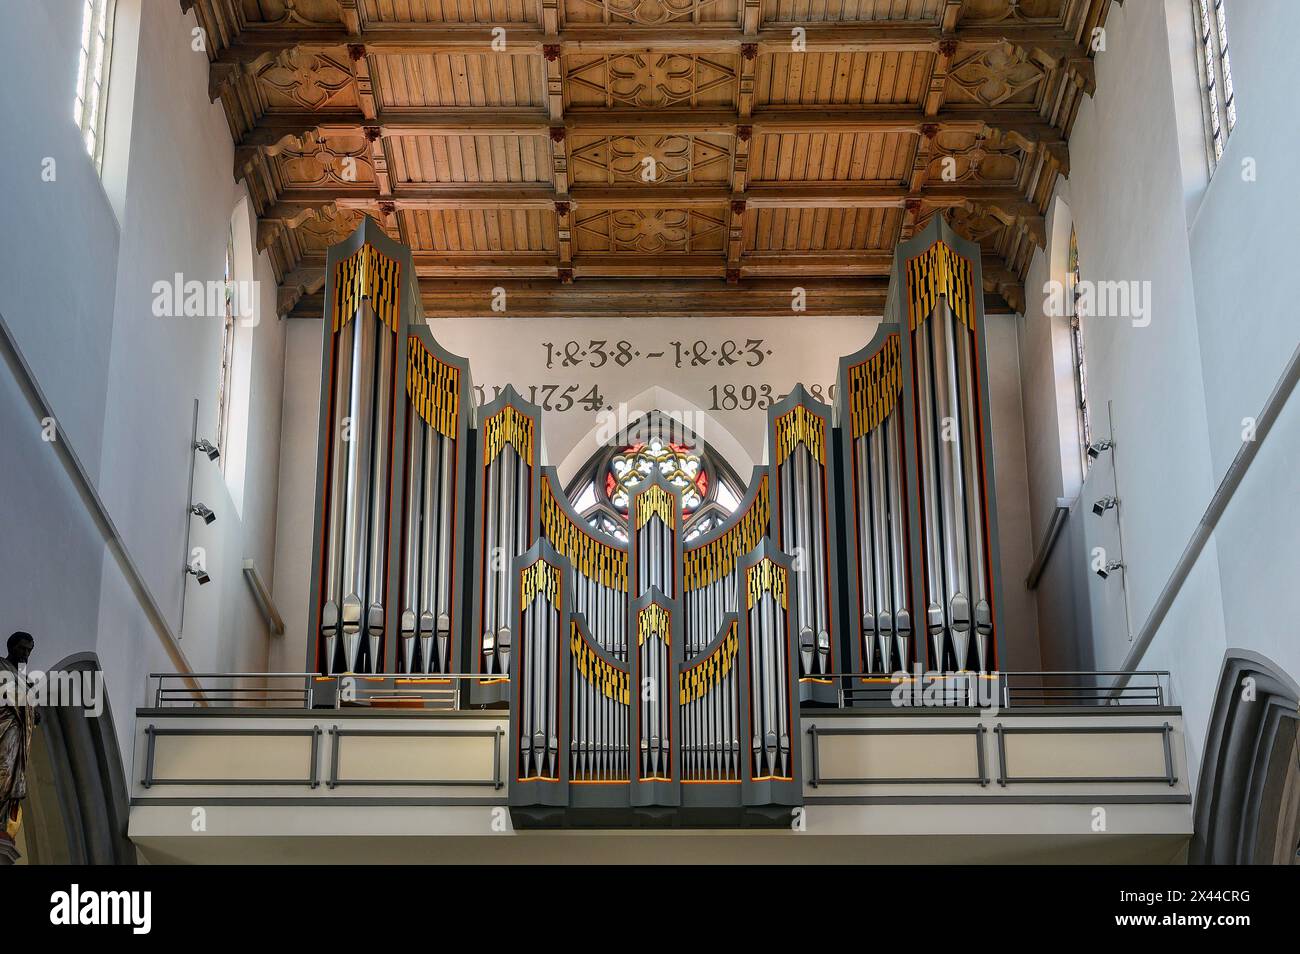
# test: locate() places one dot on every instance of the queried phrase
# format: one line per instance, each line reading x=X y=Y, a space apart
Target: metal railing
x=446 y=691
x=1010 y=689
x=308 y=690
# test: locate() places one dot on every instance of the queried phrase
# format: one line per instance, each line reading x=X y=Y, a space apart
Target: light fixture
x=1105 y=571
x=198 y=573
x=201 y=510
x=208 y=448
x=1104 y=504
x=1096 y=447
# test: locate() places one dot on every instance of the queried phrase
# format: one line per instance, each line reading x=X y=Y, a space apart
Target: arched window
x=711 y=491
x=227 y=348
x=1072 y=280
x=96 y=55
x=1218 y=99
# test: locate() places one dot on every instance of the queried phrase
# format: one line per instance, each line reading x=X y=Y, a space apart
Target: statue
x=16 y=722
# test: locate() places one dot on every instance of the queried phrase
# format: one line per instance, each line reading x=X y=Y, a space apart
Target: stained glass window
x=710 y=490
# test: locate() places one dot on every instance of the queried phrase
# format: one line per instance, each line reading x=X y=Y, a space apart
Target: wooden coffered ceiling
x=629 y=157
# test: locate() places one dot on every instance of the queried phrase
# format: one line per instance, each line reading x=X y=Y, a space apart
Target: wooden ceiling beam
x=631 y=298
x=279 y=129
x=257 y=45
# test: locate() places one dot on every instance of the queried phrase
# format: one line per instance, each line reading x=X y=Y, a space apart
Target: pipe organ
x=656 y=677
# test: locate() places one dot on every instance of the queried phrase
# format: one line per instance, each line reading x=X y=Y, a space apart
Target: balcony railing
x=448 y=691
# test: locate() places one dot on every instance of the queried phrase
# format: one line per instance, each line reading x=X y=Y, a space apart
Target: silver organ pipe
x=972 y=496
x=331 y=614
x=412 y=539
x=356 y=507
x=380 y=494
x=929 y=433
x=431 y=566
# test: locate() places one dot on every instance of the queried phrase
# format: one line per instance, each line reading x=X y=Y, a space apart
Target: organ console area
x=655 y=676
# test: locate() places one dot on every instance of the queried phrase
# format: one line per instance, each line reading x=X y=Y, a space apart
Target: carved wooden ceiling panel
x=449 y=11
x=651 y=231
x=650 y=80
x=850 y=11
x=481 y=158
x=656 y=143
x=642 y=160
x=818 y=79
x=650 y=12
x=833 y=157
x=822 y=230
x=479 y=230
x=458 y=80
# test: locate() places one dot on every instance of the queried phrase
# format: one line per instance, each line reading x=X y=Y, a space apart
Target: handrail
x=1076 y=688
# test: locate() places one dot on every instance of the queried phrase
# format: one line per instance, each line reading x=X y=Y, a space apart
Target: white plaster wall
x=76 y=279
x=1223 y=327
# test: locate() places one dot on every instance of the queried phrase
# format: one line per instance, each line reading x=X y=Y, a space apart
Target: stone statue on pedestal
x=17 y=719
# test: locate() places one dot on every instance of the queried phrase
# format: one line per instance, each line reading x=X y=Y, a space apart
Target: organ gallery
x=654 y=652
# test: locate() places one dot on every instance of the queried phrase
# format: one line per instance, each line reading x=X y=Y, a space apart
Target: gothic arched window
x=711 y=491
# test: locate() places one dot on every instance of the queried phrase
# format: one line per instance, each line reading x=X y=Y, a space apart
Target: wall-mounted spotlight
x=199 y=574
x=1104 y=504
x=214 y=452
x=1096 y=447
x=201 y=510
x=1105 y=571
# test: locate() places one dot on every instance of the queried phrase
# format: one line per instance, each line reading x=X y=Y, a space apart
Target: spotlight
x=1096 y=447
x=1105 y=571
x=208 y=448
x=199 y=510
x=1104 y=504
x=198 y=574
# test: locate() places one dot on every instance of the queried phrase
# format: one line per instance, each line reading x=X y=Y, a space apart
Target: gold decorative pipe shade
x=592 y=558
x=540 y=579
x=433 y=387
x=800 y=425
x=717 y=558
x=708 y=672
x=655 y=500
x=873 y=387
x=367 y=273
x=940 y=270
x=508 y=426
x=611 y=682
x=654 y=620
x=765 y=576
